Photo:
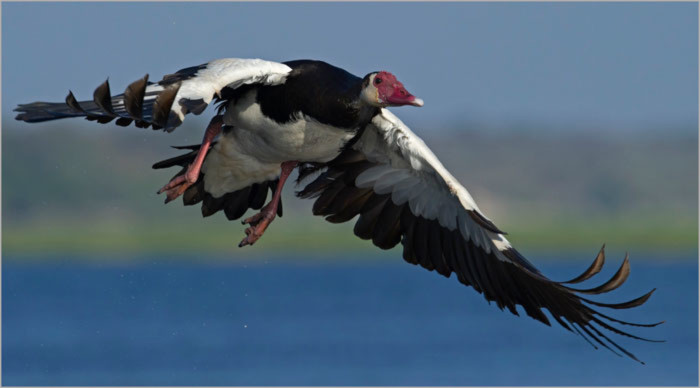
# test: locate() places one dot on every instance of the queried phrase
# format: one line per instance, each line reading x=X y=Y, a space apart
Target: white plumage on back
x=228 y=72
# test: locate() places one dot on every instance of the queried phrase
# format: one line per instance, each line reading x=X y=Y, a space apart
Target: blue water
x=163 y=321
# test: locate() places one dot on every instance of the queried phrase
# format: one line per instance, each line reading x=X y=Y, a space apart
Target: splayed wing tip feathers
x=363 y=182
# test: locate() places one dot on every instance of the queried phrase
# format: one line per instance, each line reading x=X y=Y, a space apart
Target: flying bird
x=362 y=162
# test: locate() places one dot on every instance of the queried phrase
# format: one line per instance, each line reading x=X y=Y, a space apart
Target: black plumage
x=328 y=94
x=103 y=99
x=434 y=247
x=133 y=98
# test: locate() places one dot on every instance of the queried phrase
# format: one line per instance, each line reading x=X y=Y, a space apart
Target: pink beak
x=402 y=97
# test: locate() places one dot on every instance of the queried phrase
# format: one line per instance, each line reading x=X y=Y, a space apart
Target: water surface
x=165 y=321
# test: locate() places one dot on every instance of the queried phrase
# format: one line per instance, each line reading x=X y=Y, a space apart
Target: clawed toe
x=175 y=187
x=258 y=224
x=176 y=192
x=252 y=235
x=178 y=180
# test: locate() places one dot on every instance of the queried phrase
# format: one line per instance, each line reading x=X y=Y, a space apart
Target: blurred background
x=572 y=125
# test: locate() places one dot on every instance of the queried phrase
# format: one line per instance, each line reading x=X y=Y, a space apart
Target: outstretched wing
x=402 y=193
x=163 y=104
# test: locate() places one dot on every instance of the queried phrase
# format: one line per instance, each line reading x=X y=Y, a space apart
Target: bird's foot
x=179 y=184
x=258 y=223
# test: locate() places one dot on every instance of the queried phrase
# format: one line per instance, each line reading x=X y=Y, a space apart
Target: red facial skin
x=392 y=92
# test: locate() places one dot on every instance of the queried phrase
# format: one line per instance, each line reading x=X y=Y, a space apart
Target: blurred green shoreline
x=317 y=238
x=70 y=188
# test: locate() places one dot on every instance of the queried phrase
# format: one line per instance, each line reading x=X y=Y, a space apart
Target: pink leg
x=179 y=184
x=259 y=222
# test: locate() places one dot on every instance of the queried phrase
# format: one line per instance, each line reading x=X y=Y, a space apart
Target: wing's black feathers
x=141 y=124
x=624 y=305
x=341 y=200
x=616 y=281
x=258 y=195
x=598 y=313
x=501 y=289
x=103 y=99
x=484 y=222
x=100 y=119
x=620 y=348
x=317 y=186
x=620 y=332
x=123 y=121
x=507 y=295
x=314 y=189
x=408 y=223
x=211 y=205
x=353 y=208
x=515 y=256
x=180 y=160
x=580 y=333
x=305 y=170
x=236 y=203
x=325 y=200
x=194 y=194
x=598 y=340
x=436 y=250
x=364 y=227
x=512 y=295
x=463 y=261
x=594 y=268
x=348 y=157
x=133 y=98
x=477 y=257
x=37 y=112
x=181 y=75
x=447 y=250
x=193 y=147
x=73 y=103
x=505 y=277
x=387 y=232
x=420 y=244
x=163 y=103
x=350 y=172
x=534 y=298
x=196 y=106
x=470 y=265
x=559 y=320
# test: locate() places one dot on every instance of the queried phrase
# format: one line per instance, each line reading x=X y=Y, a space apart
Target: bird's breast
x=303 y=138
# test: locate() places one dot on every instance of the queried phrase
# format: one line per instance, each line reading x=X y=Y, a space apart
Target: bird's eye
x=377 y=81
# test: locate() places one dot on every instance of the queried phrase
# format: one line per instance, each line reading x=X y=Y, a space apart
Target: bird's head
x=382 y=89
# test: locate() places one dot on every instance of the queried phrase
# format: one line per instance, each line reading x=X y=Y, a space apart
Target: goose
x=360 y=161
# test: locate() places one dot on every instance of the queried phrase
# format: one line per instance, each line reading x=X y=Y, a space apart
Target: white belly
x=253 y=151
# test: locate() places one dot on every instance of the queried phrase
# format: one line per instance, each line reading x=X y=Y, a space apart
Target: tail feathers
x=181 y=160
x=234 y=204
x=37 y=112
x=144 y=103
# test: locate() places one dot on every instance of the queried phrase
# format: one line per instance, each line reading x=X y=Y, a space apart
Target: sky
x=567 y=66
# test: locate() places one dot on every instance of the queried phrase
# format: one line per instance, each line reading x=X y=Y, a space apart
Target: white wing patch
x=231 y=72
x=410 y=171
